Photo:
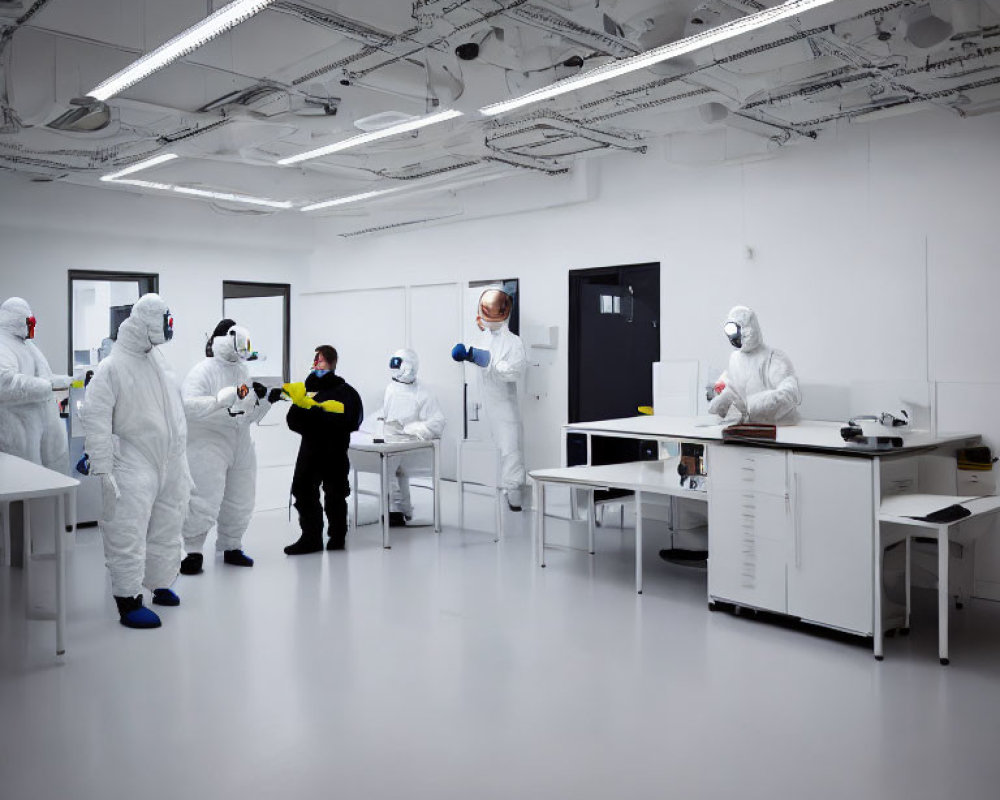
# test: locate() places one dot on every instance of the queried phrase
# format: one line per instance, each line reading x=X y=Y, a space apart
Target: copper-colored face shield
x=495 y=306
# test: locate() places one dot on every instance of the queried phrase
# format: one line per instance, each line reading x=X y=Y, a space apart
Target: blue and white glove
x=478 y=356
x=459 y=353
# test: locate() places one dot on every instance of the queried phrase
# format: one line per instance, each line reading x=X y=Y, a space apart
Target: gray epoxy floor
x=452 y=667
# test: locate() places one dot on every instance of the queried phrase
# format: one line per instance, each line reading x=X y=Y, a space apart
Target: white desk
x=640 y=477
x=797 y=557
x=898 y=510
x=362 y=448
x=23 y=480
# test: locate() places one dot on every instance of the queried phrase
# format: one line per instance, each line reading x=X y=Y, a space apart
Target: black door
x=614 y=338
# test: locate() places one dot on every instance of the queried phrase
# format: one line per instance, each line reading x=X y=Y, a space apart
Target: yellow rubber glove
x=297 y=394
x=333 y=406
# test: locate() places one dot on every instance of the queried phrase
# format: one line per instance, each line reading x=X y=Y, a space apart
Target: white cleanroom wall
x=869 y=255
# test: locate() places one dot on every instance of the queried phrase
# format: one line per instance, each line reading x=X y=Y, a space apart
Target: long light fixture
x=420 y=187
x=372 y=136
x=182 y=44
x=149 y=162
x=230 y=196
x=616 y=69
x=354 y=198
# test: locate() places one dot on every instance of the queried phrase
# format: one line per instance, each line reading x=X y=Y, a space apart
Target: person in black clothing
x=322 y=455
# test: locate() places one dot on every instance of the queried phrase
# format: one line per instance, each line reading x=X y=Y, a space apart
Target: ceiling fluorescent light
x=149 y=162
x=230 y=196
x=182 y=44
x=354 y=198
x=616 y=69
x=421 y=187
x=364 y=138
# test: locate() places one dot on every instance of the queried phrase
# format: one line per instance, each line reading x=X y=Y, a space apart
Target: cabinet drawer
x=747 y=469
x=767 y=515
x=747 y=571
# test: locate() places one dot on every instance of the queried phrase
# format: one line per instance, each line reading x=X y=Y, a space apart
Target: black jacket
x=321 y=430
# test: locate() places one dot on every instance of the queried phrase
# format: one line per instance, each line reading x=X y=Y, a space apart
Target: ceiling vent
x=88 y=116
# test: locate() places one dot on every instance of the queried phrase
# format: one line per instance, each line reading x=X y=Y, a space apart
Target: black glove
x=259 y=389
x=274 y=395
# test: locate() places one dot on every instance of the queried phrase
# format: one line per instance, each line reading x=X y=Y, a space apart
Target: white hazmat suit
x=135 y=427
x=30 y=427
x=220 y=450
x=500 y=355
x=408 y=409
x=760 y=381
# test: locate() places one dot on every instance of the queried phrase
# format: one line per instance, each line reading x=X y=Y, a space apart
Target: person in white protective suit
x=30 y=427
x=135 y=429
x=220 y=409
x=409 y=411
x=760 y=381
x=500 y=354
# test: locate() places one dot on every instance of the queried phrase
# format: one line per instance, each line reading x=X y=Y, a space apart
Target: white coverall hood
x=14 y=313
x=746 y=318
x=403 y=365
x=152 y=313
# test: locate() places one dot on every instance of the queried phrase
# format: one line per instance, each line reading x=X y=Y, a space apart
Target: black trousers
x=331 y=471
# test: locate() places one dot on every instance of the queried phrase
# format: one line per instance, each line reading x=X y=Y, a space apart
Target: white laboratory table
x=640 y=477
x=900 y=510
x=794 y=523
x=23 y=480
x=369 y=456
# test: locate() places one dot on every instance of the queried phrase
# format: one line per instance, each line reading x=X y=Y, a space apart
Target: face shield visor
x=735 y=334
x=241 y=344
x=30 y=323
x=403 y=366
x=494 y=309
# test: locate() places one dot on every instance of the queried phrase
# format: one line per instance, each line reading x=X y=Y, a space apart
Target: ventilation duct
x=88 y=116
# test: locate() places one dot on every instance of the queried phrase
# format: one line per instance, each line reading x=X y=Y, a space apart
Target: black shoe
x=337 y=542
x=237 y=558
x=687 y=558
x=305 y=544
x=165 y=597
x=397 y=519
x=133 y=614
x=191 y=565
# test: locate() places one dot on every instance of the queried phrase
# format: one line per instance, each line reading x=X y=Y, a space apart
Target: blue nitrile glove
x=478 y=356
x=83 y=465
x=459 y=353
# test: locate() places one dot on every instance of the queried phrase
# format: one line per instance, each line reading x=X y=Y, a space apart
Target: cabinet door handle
x=797 y=521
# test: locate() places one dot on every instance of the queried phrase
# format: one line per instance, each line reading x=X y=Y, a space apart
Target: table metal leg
x=877 y=643
x=638 y=542
x=5 y=521
x=590 y=522
x=26 y=553
x=906 y=577
x=942 y=538
x=354 y=493
x=540 y=523
x=383 y=503
x=437 y=486
x=61 y=511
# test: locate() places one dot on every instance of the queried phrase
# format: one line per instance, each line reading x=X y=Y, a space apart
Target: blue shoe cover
x=132 y=613
x=142 y=617
x=165 y=597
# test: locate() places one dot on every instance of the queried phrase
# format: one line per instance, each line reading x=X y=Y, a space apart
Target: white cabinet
x=830 y=559
x=792 y=532
x=748 y=523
